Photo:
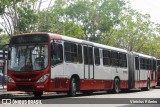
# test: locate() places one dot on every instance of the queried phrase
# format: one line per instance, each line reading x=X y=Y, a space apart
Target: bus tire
x=148 y=85
x=116 y=87
x=147 y=88
x=87 y=92
x=125 y=90
x=154 y=87
x=38 y=94
x=72 y=88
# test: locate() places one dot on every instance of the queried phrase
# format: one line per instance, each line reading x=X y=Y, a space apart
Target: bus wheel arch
x=148 y=84
x=147 y=88
x=74 y=85
x=38 y=94
x=116 y=85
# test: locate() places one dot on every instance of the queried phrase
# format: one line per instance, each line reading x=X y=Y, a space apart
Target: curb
x=22 y=94
x=12 y=94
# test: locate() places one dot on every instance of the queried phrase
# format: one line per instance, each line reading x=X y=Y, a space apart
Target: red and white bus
x=45 y=62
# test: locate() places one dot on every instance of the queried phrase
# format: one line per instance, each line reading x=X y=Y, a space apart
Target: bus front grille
x=25 y=87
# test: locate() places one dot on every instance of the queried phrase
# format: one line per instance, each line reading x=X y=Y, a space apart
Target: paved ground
x=94 y=100
x=4 y=93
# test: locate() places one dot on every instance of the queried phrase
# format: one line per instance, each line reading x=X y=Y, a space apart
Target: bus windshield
x=28 y=57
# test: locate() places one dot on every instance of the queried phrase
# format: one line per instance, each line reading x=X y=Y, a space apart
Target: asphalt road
x=133 y=98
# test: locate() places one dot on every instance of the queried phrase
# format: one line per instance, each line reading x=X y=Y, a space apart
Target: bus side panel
x=103 y=72
x=73 y=69
x=122 y=73
x=59 y=84
x=58 y=81
x=100 y=84
x=57 y=71
x=96 y=84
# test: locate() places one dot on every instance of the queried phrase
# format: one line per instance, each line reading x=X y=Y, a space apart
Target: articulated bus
x=45 y=62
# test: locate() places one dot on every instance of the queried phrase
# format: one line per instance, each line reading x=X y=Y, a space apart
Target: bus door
x=88 y=62
x=137 y=70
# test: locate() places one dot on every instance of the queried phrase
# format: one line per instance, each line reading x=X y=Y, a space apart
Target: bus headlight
x=9 y=79
x=43 y=78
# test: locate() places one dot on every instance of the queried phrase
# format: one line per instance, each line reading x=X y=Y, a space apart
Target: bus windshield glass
x=28 y=57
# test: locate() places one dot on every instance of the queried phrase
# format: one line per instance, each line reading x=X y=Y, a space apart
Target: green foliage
x=136 y=32
x=18 y=16
x=4 y=39
x=5 y=3
x=1 y=30
x=71 y=29
x=27 y=19
x=110 y=22
x=47 y=21
x=96 y=17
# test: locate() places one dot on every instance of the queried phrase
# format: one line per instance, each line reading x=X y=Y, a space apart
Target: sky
x=151 y=7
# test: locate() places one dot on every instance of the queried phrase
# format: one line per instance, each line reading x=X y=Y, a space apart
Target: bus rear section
x=142 y=71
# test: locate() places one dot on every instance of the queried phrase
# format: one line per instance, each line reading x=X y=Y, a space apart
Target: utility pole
x=3 y=70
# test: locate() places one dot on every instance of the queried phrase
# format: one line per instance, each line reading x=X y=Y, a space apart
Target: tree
x=18 y=16
x=133 y=32
x=4 y=39
x=51 y=20
x=95 y=17
x=90 y=20
x=72 y=29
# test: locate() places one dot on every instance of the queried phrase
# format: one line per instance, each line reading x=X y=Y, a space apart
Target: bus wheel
x=87 y=92
x=116 y=86
x=38 y=94
x=125 y=90
x=154 y=87
x=147 y=88
x=148 y=85
x=72 y=89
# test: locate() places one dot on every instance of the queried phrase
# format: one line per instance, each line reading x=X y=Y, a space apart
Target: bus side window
x=106 y=57
x=90 y=53
x=80 y=54
x=122 y=60
x=137 y=63
x=97 y=56
x=142 y=66
x=114 y=58
x=56 y=53
x=154 y=65
x=60 y=52
x=85 y=52
x=70 y=51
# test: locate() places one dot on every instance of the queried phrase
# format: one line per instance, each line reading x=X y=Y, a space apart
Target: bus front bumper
x=28 y=87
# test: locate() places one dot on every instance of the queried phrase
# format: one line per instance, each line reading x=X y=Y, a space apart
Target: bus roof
x=143 y=55
x=62 y=37
x=57 y=36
